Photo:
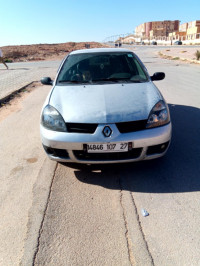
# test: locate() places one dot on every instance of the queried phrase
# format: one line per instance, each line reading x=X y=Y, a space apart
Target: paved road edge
x=41 y=192
x=12 y=94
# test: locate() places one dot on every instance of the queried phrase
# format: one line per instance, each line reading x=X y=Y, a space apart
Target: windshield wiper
x=70 y=81
x=111 y=79
x=74 y=81
x=137 y=81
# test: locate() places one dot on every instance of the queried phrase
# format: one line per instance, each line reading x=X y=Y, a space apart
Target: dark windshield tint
x=95 y=67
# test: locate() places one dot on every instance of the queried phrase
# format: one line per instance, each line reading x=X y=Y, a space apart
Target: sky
x=60 y=21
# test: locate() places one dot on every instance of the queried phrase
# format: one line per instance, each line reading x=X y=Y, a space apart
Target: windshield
x=101 y=67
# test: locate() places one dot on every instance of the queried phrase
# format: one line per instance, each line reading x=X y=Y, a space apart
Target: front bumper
x=69 y=147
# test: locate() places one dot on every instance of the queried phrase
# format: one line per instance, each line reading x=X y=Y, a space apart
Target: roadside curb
x=41 y=192
x=11 y=95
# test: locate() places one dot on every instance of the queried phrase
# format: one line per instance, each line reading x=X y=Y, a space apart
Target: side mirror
x=158 y=76
x=47 y=81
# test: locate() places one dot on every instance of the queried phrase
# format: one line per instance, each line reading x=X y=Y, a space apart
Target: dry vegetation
x=197 y=54
x=35 y=52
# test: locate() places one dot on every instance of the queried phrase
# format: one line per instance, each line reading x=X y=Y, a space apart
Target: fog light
x=157 y=148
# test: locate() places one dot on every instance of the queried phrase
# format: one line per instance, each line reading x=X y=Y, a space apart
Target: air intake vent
x=81 y=128
x=126 y=127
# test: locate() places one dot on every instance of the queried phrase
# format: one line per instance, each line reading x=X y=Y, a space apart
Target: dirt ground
x=180 y=53
x=36 y=52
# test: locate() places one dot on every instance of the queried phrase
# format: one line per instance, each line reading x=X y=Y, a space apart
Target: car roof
x=100 y=50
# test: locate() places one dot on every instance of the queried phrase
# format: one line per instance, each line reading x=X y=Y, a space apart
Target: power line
x=114 y=38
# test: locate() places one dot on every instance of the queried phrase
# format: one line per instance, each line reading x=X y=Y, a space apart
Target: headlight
x=159 y=115
x=52 y=119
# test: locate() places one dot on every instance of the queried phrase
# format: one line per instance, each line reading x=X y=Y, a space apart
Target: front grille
x=81 y=128
x=126 y=127
x=114 y=156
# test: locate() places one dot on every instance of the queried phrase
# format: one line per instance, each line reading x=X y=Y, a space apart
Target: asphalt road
x=56 y=214
x=21 y=74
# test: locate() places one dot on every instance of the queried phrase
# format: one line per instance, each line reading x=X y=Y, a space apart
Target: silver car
x=104 y=108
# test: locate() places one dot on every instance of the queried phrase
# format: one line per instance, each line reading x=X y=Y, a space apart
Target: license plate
x=107 y=147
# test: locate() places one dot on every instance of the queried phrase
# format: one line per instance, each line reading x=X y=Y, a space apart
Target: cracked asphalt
x=58 y=214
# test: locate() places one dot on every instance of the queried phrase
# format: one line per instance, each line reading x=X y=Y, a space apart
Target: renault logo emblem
x=107 y=131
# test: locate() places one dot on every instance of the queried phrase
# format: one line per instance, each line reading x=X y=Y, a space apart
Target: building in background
x=140 y=30
x=149 y=30
x=169 y=30
x=193 y=30
x=163 y=32
x=187 y=31
x=130 y=39
x=183 y=27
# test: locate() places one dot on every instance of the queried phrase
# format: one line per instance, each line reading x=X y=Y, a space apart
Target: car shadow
x=177 y=172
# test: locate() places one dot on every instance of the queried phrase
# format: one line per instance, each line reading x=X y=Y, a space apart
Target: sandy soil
x=182 y=53
x=35 y=52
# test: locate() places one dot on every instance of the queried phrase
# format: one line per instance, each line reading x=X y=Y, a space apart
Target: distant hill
x=35 y=52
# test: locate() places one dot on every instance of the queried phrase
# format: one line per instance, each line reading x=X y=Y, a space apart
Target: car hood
x=105 y=103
